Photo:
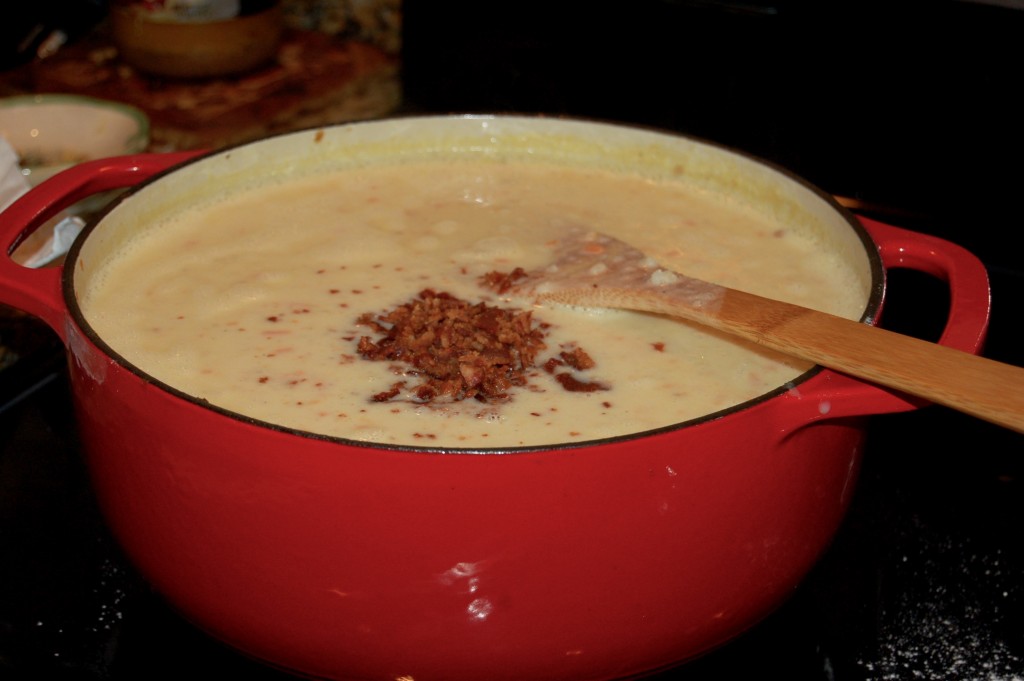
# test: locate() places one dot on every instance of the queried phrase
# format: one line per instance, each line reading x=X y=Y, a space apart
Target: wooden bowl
x=202 y=49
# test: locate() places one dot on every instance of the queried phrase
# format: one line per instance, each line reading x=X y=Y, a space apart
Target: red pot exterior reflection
x=338 y=560
x=357 y=562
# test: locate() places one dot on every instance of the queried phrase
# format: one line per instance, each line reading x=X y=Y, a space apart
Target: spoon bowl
x=592 y=269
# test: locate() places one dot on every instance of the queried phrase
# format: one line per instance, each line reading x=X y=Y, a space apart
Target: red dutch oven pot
x=338 y=559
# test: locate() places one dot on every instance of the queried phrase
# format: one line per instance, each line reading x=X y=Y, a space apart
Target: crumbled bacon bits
x=578 y=359
x=575 y=358
x=575 y=385
x=460 y=350
x=502 y=282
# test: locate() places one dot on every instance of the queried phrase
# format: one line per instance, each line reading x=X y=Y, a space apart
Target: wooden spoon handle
x=984 y=388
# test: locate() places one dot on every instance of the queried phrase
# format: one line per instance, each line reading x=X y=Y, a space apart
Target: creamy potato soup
x=258 y=302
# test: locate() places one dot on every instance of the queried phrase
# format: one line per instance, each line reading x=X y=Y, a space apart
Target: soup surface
x=258 y=302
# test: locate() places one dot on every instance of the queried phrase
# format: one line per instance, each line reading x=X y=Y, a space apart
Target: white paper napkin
x=12 y=185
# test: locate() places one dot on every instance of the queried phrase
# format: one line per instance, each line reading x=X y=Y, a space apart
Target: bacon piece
x=502 y=282
x=578 y=359
x=575 y=385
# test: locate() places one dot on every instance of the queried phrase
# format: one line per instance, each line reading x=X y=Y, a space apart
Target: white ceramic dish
x=51 y=132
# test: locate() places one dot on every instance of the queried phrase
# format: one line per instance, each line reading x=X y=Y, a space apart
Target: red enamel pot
x=337 y=559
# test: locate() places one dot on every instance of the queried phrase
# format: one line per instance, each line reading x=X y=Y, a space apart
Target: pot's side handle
x=38 y=291
x=836 y=395
x=970 y=295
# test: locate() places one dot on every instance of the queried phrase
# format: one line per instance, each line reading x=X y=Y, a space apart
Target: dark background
x=913 y=105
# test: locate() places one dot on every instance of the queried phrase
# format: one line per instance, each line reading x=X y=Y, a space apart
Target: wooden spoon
x=591 y=269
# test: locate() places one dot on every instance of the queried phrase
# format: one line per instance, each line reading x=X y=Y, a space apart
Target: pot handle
x=837 y=395
x=38 y=291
